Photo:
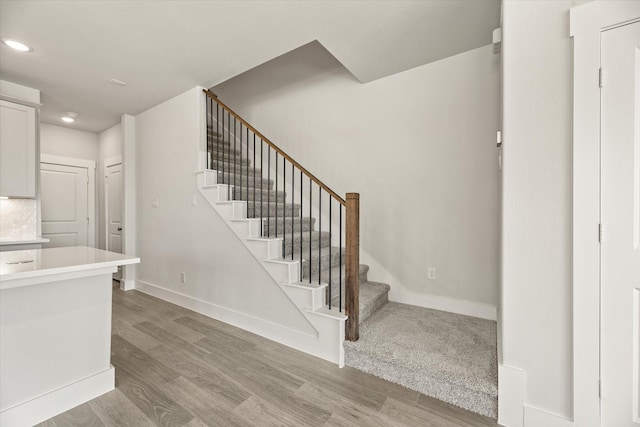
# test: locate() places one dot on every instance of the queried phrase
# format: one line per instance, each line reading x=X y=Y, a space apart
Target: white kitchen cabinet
x=17 y=150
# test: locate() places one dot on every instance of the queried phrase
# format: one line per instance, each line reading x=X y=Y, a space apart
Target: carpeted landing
x=444 y=355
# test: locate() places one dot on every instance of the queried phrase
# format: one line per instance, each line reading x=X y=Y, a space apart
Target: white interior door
x=113 y=210
x=113 y=205
x=64 y=198
x=620 y=211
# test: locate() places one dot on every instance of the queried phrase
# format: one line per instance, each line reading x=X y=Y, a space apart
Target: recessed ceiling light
x=17 y=45
x=69 y=117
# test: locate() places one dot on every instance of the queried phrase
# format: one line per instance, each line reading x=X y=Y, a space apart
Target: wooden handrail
x=275 y=147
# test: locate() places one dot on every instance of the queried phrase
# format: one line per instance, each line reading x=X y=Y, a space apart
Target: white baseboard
x=452 y=305
x=58 y=401
x=127 y=285
x=301 y=341
x=511 y=387
x=534 y=417
x=513 y=411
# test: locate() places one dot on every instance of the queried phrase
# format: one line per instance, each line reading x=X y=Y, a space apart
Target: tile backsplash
x=18 y=219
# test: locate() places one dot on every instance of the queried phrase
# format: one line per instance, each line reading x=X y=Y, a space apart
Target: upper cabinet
x=17 y=150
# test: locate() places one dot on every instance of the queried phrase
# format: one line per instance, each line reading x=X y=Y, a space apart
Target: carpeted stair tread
x=373 y=295
x=255 y=209
x=320 y=258
x=241 y=193
x=225 y=166
x=317 y=238
x=444 y=355
x=335 y=277
x=225 y=153
x=245 y=181
x=276 y=226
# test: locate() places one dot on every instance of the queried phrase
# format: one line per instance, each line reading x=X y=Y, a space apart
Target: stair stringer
x=308 y=298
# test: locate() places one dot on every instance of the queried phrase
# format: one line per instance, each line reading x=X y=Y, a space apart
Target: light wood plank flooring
x=175 y=367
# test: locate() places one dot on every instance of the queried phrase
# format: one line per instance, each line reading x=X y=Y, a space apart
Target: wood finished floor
x=175 y=367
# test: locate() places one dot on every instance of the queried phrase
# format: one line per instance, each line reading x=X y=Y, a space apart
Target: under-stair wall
x=185 y=234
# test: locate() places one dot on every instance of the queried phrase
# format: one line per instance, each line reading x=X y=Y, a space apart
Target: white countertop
x=42 y=262
x=4 y=242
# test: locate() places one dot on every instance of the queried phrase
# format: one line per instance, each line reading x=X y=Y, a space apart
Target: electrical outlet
x=154 y=202
x=194 y=200
x=183 y=277
x=431 y=273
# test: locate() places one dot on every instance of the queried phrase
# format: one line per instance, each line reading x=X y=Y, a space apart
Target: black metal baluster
x=269 y=192
x=261 y=188
x=310 y=203
x=340 y=262
x=254 y=174
x=293 y=199
x=247 y=144
x=301 y=206
x=209 y=130
x=276 y=194
x=235 y=141
x=284 y=206
x=238 y=156
x=218 y=137
x=320 y=235
x=222 y=157
x=330 y=228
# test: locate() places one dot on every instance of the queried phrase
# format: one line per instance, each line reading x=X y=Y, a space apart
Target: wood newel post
x=352 y=266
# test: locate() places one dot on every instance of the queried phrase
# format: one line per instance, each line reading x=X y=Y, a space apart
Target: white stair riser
x=231 y=210
x=246 y=228
x=281 y=271
x=265 y=248
x=306 y=298
x=216 y=193
x=210 y=177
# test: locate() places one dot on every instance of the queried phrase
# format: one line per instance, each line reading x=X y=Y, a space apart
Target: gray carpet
x=443 y=355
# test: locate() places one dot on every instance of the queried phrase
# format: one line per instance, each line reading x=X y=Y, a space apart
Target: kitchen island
x=55 y=330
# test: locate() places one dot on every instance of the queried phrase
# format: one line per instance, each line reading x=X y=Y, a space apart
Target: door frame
x=90 y=165
x=110 y=161
x=586 y=24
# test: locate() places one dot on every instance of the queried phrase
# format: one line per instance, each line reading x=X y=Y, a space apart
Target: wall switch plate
x=194 y=200
x=154 y=202
x=183 y=277
x=431 y=273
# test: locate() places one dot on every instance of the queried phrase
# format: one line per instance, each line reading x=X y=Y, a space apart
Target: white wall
x=109 y=145
x=62 y=141
x=418 y=146
x=177 y=237
x=536 y=233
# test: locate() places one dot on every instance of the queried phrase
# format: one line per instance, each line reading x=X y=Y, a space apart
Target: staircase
x=300 y=249
x=250 y=205
x=305 y=257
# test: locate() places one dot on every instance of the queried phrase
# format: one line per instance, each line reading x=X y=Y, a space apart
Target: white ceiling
x=162 y=48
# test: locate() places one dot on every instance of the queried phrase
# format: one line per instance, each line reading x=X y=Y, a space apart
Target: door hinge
x=87 y=220
x=600 y=233
x=600 y=77
x=499 y=139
